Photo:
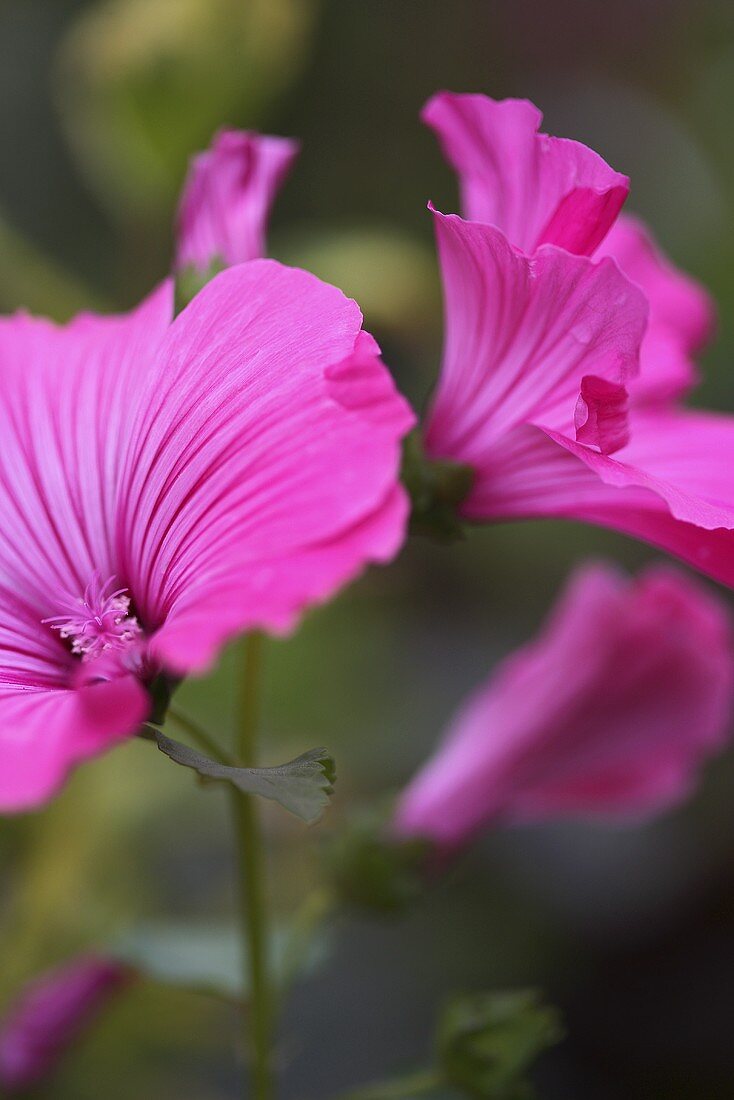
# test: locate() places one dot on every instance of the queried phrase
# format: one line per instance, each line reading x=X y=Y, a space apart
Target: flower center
x=98 y=621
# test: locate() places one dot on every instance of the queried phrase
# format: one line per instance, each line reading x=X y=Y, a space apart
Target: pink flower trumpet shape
x=608 y=713
x=166 y=485
x=561 y=375
x=227 y=198
x=51 y=1014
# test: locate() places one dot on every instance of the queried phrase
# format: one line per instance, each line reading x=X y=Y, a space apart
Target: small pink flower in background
x=530 y=326
x=227 y=198
x=609 y=713
x=51 y=1014
x=166 y=486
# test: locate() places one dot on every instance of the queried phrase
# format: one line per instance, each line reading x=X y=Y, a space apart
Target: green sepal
x=190 y=280
x=370 y=870
x=161 y=692
x=436 y=488
x=487 y=1042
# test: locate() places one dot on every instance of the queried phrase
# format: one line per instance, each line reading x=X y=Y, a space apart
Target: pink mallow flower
x=53 y=1013
x=544 y=190
x=554 y=388
x=609 y=713
x=166 y=486
x=227 y=197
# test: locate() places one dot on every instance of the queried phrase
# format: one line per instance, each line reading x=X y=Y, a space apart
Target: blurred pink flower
x=610 y=713
x=227 y=197
x=531 y=328
x=166 y=486
x=51 y=1014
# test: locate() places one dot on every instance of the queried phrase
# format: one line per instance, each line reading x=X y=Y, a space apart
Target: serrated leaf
x=301 y=786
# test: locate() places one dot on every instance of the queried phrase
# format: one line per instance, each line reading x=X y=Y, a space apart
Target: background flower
x=227 y=197
x=51 y=1014
x=610 y=712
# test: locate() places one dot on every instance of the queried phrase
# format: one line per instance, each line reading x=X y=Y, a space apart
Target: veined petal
x=520 y=335
x=46 y=732
x=535 y=188
x=609 y=712
x=268 y=429
x=64 y=421
x=682 y=314
x=227 y=198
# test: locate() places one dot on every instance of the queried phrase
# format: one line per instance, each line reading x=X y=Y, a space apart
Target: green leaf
x=207 y=958
x=488 y=1042
x=302 y=786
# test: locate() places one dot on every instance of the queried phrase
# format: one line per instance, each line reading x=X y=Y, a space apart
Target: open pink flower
x=227 y=198
x=544 y=190
x=610 y=712
x=51 y=1015
x=530 y=330
x=165 y=486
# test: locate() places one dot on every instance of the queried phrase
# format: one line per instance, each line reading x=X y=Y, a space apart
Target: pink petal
x=682 y=314
x=47 y=732
x=611 y=711
x=536 y=189
x=521 y=335
x=268 y=431
x=227 y=198
x=53 y=1013
x=600 y=417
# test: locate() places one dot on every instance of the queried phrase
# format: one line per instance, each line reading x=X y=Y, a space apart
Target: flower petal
x=521 y=334
x=682 y=314
x=535 y=188
x=227 y=198
x=47 y=732
x=268 y=430
x=53 y=1012
x=609 y=712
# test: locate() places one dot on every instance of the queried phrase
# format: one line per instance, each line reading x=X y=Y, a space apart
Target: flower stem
x=400 y=1088
x=251 y=864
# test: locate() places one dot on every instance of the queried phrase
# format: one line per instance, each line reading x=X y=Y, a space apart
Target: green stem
x=400 y=1088
x=252 y=883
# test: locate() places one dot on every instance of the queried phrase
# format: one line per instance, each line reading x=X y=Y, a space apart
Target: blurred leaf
x=208 y=957
x=145 y=83
x=302 y=786
x=488 y=1042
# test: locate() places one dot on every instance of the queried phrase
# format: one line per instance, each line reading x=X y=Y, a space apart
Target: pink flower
x=164 y=487
x=531 y=329
x=227 y=198
x=610 y=712
x=53 y=1013
x=535 y=188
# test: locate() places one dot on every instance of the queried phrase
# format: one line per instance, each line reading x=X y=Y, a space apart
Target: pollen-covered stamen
x=98 y=621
